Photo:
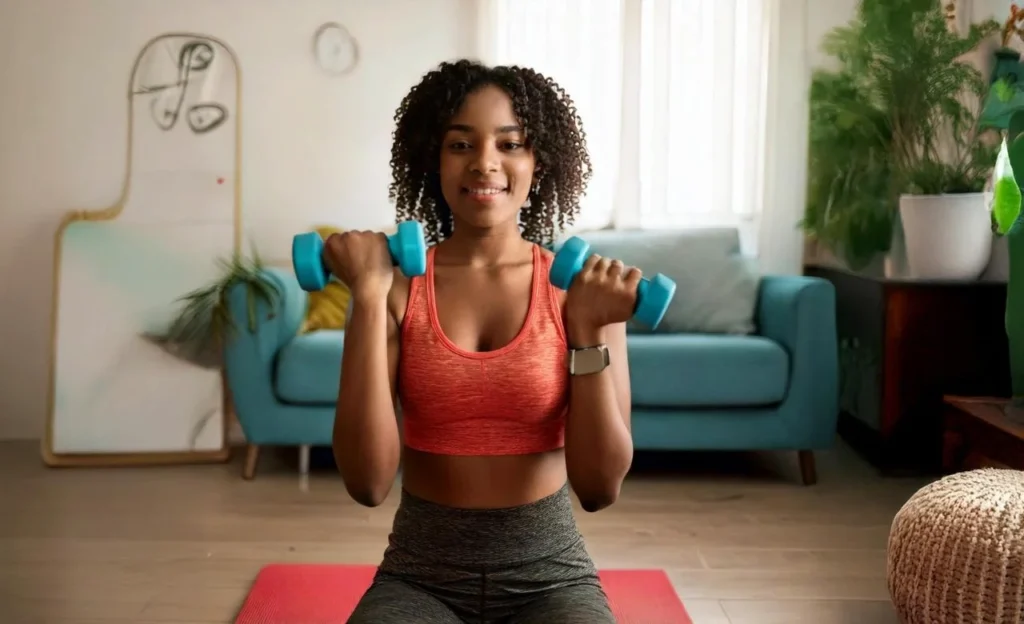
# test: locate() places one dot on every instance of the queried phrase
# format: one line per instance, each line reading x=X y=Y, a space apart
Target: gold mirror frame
x=109 y=214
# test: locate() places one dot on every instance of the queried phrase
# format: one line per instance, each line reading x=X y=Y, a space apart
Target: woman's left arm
x=598 y=441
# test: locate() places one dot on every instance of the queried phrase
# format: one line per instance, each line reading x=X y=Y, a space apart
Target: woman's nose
x=485 y=159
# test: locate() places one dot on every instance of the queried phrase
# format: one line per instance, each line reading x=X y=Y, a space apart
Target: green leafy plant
x=1012 y=227
x=204 y=323
x=899 y=115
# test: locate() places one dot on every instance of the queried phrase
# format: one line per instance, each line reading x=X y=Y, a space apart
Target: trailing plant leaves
x=205 y=323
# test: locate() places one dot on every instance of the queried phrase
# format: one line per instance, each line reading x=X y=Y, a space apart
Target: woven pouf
x=956 y=551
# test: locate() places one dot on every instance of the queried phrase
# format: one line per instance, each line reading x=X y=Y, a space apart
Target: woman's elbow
x=596 y=490
x=369 y=489
x=594 y=499
x=368 y=485
x=367 y=496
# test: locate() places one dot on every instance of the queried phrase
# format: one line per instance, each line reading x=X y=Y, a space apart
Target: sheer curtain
x=680 y=101
x=579 y=44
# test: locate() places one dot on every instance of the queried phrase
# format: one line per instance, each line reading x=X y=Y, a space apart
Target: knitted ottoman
x=956 y=551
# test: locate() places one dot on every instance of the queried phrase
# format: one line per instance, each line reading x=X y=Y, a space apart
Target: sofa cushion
x=309 y=367
x=716 y=286
x=698 y=370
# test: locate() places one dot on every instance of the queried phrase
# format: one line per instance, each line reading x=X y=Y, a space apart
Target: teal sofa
x=773 y=386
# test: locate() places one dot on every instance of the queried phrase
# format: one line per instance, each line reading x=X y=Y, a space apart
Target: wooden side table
x=903 y=345
x=978 y=434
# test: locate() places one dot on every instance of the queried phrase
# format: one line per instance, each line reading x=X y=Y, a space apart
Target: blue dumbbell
x=652 y=295
x=408 y=249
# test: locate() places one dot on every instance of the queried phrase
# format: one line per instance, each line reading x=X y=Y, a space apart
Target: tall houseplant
x=898 y=117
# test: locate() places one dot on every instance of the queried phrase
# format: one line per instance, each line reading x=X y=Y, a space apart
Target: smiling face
x=486 y=167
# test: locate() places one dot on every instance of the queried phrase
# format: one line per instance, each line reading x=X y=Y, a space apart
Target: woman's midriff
x=482 y=482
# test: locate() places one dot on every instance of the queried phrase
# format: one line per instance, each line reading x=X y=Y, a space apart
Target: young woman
x=510 y=390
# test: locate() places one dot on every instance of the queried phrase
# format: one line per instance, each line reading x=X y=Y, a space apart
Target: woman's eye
x=512 y=145
x=459 y=145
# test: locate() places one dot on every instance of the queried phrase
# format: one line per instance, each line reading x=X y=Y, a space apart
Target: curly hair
x=553 y=131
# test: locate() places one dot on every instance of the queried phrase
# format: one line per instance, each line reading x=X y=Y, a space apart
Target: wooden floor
x=741 y=539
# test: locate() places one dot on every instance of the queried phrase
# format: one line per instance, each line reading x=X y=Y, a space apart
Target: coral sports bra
x=512 y=400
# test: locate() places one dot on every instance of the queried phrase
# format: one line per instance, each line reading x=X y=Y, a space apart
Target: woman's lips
x=484 y=193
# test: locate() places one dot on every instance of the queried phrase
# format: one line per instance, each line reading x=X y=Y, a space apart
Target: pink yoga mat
x=327 y=594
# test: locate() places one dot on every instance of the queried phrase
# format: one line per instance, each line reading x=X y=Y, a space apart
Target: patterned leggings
x=520 y=565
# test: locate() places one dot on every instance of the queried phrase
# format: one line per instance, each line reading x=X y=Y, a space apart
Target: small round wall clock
x=335 y=50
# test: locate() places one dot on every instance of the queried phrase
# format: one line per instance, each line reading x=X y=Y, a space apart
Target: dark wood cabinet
x=982 y=433
x=903 y=345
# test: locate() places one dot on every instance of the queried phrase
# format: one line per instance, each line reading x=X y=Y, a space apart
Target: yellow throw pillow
x=327 y=307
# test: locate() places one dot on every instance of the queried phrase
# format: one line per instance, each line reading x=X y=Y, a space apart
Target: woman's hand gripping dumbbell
x=652 y=296
x=356 y=256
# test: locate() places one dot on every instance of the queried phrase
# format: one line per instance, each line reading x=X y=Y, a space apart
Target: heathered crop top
x=512 y=400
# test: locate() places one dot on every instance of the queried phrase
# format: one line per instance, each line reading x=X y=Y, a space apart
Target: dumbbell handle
x=406 y=248
x=652 y=295
x=324 y=271
x=392 y=251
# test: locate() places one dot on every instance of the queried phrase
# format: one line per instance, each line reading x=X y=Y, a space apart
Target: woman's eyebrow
x=467 y=128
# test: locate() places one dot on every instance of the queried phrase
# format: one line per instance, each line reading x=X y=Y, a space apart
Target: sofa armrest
x=249 y=356
x=799 y=313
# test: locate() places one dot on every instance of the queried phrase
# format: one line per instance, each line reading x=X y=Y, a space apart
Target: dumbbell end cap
x=654 y=305
x=411 y=249
x=307 y=261
x=568 y=262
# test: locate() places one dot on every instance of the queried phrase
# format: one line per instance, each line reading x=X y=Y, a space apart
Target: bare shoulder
x=549 y=256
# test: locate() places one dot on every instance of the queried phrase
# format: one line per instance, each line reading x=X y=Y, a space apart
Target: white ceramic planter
x=947 y=237
x=998 y=269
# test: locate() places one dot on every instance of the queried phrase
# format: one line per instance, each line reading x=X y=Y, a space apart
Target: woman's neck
x=490 y=247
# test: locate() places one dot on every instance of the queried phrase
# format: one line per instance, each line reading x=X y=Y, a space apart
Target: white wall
x=316 y=147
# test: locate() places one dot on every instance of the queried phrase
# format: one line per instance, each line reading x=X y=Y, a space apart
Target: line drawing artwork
x=168 y=99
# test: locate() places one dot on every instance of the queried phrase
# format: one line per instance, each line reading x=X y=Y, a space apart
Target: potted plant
x=895 y=141
x=204 y=323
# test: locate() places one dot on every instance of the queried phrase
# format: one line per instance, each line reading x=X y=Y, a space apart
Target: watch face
x=590 y=360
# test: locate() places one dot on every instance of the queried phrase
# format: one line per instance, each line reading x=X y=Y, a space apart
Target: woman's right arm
x=366 y=442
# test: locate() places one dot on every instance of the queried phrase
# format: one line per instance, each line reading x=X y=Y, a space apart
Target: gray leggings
x=520 y=565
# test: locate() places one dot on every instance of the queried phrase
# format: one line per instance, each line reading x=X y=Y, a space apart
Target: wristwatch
x=588 y=360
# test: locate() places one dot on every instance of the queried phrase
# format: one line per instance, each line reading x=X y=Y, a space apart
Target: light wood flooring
x=742 y=540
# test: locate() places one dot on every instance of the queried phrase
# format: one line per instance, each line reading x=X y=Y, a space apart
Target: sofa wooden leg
x=304 y=459
x=252 y=456
x=808 y=471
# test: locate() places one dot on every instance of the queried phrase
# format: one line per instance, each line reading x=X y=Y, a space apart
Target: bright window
x=673 y=96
